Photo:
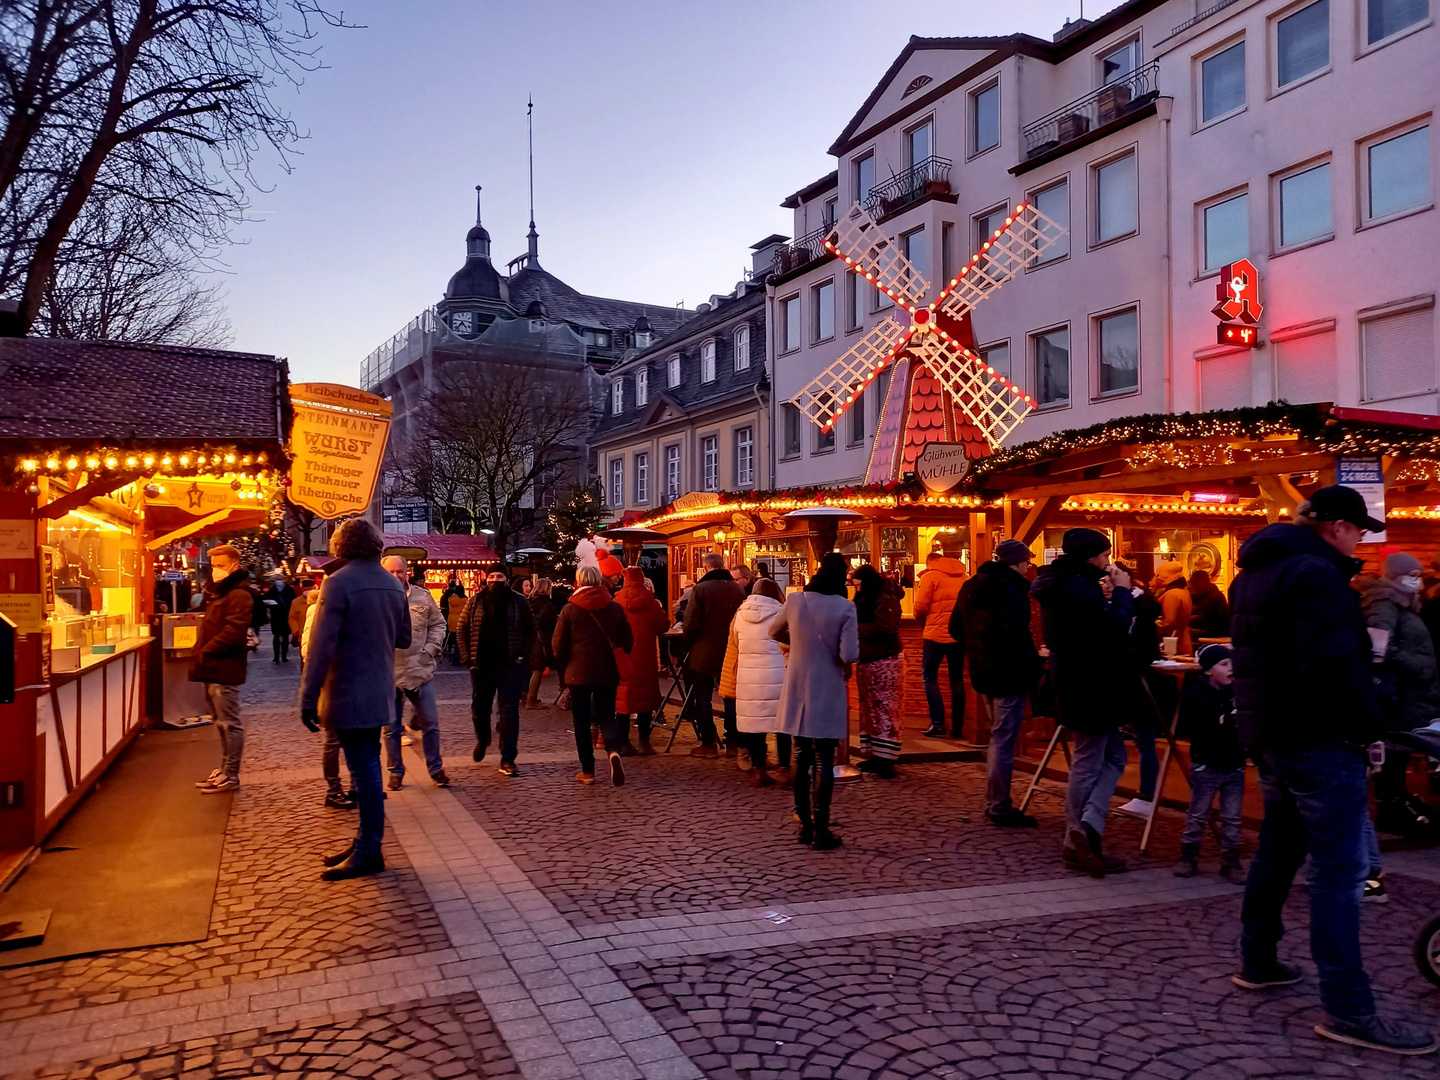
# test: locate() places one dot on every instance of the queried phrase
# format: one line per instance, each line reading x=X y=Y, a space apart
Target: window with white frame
x=1119 y=62
x=617 y=482
x=672 y=371
x=791 y=420
x=1302 y=43
x=1396 y=174
x=1054 y=203
x=1304 y=206
x=1050 y=352
x=642 y=386
x=790 y=322
x=920 y=143
x=707 y=362
x=744 y=457
x=1117 y=352
x=1397 y=353
x=1117 y=195
x=710 y=463
x=823 y=296
x=1225 y=232
x=617 y=396
x=864 y=176
x=672 y=473
x=1386 y=18
x=1222 y=83
x=742 y=348
x=642 y=478
x=985 y=118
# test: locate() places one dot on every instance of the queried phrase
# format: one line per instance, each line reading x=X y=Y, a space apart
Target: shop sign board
x=1367 y=476
x=941 y=466
x=25 y=610
x=1237 y=305
x=337 y=443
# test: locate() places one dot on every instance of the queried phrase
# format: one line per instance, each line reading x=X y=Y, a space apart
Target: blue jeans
x=1096 y=764
x=423 y=698
x=362 y=758
x=1149 y=762
x=1372 y=852
x=508 y=683
x=1315 y=803
x=953 y=654
x=1205 y=784
x=1007 y=714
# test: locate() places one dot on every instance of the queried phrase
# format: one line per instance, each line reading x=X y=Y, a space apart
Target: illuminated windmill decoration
x=940 y=391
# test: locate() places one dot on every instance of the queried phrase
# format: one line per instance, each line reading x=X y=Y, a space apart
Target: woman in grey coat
x=820 y=628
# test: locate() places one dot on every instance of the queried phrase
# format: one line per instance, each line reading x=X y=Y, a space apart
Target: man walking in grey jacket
x=349 y=679
x=414 y=670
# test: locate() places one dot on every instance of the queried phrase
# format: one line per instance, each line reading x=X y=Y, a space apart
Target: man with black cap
x=992 y=618
x=1085 y=613
x=1305 y=708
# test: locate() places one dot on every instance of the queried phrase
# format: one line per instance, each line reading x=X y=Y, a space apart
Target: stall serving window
x=90 y=574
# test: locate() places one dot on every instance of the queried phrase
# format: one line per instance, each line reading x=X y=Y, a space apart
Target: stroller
x=1424 y=740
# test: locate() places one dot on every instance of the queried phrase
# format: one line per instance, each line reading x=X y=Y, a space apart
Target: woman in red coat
x=640 y=694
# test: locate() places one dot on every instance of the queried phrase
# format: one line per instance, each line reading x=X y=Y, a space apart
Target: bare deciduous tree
x=488 y=436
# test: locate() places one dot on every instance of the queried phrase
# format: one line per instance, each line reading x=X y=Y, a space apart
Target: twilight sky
x=666 y=134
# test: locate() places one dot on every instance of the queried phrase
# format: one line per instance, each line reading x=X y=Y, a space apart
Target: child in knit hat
x=1217 y=763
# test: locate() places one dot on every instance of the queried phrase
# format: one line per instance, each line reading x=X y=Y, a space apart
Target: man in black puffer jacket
x=1305 y=708
x=992 y=618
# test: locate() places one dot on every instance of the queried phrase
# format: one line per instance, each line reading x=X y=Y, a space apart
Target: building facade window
x=824 y=440
x=672 y=371
x=1222 y=83
x=1117 y=352
x=856 y=306
x=1397 y=174
x=823 y=296
x=672 y=473
x=744 y=457
x=710 y=463
x=916 y=246
x=642 y=478
x=881 y=394
x=1225 y=228
x=920 y=143
x=856 y=413
x=1302 y=43
x=1386 y=18
x=983 y=227
x=791 y=419
x=864 y=177
x=1398 y=354
x=790 y=322
x=1119 y=62
x=1304 y=206
x=1117 y=195
x=1054 y=203
x=642 y=386
x=742 y=348
x=707 y=362
x=617 y=482
x=1305 y=368
x=1051 y=353
x=997 y=356
x=617 y=396
x=985 y=118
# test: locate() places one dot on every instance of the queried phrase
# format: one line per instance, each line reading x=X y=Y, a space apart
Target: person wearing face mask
x=219 y=661
x=495 y=635
x=1408 y=682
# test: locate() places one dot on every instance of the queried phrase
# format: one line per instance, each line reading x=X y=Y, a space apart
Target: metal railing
x=1211 y=10
x=928 y=177
x=404 y=348
x=803 y=250
x=1095 y=109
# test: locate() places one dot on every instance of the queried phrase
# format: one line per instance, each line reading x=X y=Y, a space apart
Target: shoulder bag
x=623 y=664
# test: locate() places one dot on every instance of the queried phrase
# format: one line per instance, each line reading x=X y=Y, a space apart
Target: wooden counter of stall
x=83 y=514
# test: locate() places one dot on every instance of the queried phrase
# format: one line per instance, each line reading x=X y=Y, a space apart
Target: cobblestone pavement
x=672 y=928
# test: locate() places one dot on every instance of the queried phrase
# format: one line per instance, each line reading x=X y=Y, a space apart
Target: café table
x=1179 y=667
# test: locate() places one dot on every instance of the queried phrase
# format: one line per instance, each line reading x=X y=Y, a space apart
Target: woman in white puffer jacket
x=753 y=674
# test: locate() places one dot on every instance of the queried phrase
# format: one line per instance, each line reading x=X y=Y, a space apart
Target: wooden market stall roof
x=446 y=549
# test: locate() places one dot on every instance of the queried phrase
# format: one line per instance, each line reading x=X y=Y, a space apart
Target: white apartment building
x=1172 y=138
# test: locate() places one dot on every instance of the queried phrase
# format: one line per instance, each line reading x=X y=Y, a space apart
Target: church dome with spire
x=477 y=279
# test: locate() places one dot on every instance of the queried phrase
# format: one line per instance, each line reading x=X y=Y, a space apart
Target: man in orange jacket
x=936 y=591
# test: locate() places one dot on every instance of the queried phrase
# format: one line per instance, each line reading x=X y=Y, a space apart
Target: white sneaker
x=211 y=780
x=743 y=762
x=1140 y=808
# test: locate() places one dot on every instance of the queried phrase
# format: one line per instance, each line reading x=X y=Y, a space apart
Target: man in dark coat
x=1305 y=708
x=349 y=680
x=1085 y=613
x=495 y=635
x=992 y=618
x=219 y=661
x=713 y=603
x=279 y=612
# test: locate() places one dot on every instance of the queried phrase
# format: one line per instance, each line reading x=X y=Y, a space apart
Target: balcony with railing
x=924 y=178
x=803 y=250
x=1096 y=110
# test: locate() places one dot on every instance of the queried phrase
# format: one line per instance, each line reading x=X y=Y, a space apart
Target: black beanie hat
x=1084 y=543
x=1211 y=655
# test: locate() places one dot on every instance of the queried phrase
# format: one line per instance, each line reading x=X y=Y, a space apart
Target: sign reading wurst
x=337 y=443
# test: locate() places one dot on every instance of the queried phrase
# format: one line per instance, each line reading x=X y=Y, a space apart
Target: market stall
x=445 y=557
x=109 y=453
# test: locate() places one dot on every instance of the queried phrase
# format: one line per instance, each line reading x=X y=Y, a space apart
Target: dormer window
x=617 y=396
x=742 y=348
x=707 y=362
x=642 y=338
x=642 y=386
x=672 y=371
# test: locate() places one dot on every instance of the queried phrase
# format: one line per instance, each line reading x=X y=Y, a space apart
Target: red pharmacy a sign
x=1238 y=304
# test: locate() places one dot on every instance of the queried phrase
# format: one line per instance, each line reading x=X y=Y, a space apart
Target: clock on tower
x=462 y=322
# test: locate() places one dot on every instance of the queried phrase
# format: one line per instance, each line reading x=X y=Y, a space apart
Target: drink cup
x=1170 y=645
